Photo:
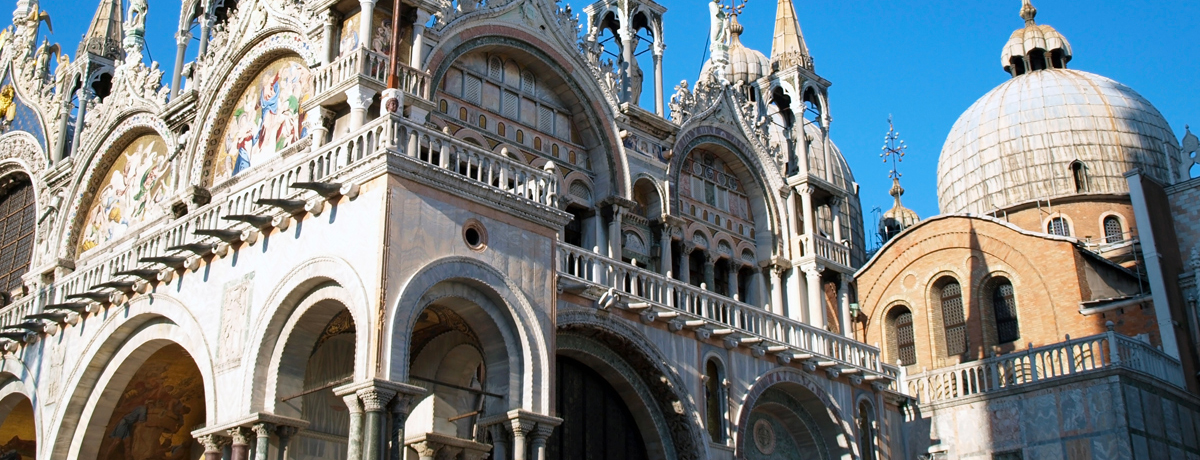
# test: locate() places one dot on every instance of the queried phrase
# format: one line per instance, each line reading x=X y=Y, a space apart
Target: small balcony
x=368 y=69
x=832 y=252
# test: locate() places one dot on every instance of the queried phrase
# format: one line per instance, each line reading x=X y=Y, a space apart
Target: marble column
x=316 y=119
x=626 y=70
x=658 y=79
x=757 y=287
x=710 y=276
x=374 y=402
x=285 y=434
x=213 y=445
x=399 y=409
x=843 y=297
x=85 y=96
x=521 y=429
x=262 y=447
x=734 y=291
x=354 y=445
x=806 y=204
x=418 y=48
x=835 y=210
x=181 y=42
x=366 y=23
x=206 y=23
x=329 y=45
x=359 y=98
x=614 y=232
x=776 y=273
x=685 y=262
x=499 y=441
x=240 y=447
x=816 y=312
x=666 y=255
x=64 y=123
x=540 y=435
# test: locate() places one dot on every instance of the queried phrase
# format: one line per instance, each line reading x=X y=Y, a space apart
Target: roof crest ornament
x=1028 y=13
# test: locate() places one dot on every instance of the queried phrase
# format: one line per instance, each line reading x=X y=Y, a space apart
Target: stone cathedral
x=469 y=229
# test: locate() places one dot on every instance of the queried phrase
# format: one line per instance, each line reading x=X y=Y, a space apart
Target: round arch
x=17 y=386
x=679 y=410
x=122 y=343
x=832 y=430
x=600 y=124
x=323 y=278
x=502 y=309
x=246 y=64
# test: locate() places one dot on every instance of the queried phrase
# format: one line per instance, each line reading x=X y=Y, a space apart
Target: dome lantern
x=1034 y=47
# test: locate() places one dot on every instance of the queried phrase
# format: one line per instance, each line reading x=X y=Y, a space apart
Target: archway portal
x=18 y=434
x=330 y=363
x=789 y=422
x=157 y=410
x=596 y=421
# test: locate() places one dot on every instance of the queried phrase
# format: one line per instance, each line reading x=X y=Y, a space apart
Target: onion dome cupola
x=1050 y=132
x=899 y=218
x=745 y=64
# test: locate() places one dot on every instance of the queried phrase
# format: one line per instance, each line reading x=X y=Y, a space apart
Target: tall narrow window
x=1079 y=174
x=1058 y=226
x=714 y=398
x=16 y=232
x=866 y=431
x=902 y=345
x=1112 y=230
x=953 y=318
x=1004 y=305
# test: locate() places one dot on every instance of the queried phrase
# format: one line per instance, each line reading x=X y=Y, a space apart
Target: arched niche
x=524 y=70
x=18 y=428
x=790 y=413
x=716 y=189
x=130 y=194
x=467 y=379
x=263 y=121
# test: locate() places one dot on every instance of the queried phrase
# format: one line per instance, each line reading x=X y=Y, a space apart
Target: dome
x=745 y=64
x=833 y=167
x=898 y=218
x=1052 y=133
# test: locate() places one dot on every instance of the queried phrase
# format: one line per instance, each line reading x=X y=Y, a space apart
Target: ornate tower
x=625 y=19
x=92 y=72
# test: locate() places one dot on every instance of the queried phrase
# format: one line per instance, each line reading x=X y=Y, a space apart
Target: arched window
x=1079 y=174
x=866 y=431
x=1004 y=306
x=954 y=319
x=902 y=344
x=1058 y=226
x=16 y=232
x=1112 y=230
x=714 y=401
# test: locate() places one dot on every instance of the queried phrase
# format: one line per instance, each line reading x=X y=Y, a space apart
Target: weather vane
x=893 y=149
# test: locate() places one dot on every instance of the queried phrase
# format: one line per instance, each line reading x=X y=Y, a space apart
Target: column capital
x=183 y=37
x=835 y=201
x=814 y=270
x=352 y=403
x=213 y=442
x=240 y=435
x=711 y=257
x=689 y=247
x=543 y=432
x=359 y=97
x=263 y=429
x=375 y=399
x=286 y=431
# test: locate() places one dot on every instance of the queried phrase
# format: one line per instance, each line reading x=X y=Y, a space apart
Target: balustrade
x=1074 y=356
x=832 y=251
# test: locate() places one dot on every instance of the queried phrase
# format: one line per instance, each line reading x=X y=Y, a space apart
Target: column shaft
x=365 y=23
x=843 y=296
x=734 y=292
x=816 y=312
x=354 y=443
x=666 y=258
x=710 y=275
x=205 y=25
x=776 y=289
x=181 y=41
x=418 y=47
x=658 y=84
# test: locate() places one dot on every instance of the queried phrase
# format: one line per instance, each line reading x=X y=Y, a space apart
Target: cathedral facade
x=459 y=230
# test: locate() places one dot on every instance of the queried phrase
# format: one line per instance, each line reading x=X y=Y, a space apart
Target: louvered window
x=906 y=344
x=954 y=319
x=16 y=233
x=1005 y=305
x=1112 y=230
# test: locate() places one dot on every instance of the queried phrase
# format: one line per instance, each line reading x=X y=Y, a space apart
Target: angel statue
x=44 y=53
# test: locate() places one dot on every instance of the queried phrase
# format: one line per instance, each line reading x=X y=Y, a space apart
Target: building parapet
x=1095 y=353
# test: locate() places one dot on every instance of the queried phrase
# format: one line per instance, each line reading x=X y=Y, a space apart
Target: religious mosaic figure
x=131 y=194
x=266 y=119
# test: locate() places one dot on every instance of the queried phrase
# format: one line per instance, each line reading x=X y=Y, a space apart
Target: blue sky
x=923 y=62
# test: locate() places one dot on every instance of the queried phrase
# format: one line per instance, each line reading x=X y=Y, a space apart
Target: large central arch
x=788 y=409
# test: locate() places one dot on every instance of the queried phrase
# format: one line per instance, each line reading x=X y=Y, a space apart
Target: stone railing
x=831 y=250
x=359 y=63
x=687 y=306
x=413 y=81
x=14 y=313
x=1072 y=357
x=494 y=171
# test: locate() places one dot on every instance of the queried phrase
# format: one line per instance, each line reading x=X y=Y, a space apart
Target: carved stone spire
x=1028 y=13
x=106 y=33
x=788 y=49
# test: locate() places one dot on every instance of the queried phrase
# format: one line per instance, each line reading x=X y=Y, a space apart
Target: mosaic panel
x=131 y=193
x=266 y=119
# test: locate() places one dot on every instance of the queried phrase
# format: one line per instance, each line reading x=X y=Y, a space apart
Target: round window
x=475 y=235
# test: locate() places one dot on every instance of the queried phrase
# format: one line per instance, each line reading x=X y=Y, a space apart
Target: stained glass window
x=16 y=233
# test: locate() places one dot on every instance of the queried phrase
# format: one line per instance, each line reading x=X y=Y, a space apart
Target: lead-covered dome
x=1050 y=132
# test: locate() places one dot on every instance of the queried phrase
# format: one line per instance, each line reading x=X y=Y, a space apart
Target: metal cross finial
x=893 y=149
x=733 y=8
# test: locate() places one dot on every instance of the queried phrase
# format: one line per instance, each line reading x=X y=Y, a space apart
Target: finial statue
x=719 y=37
x=893 y=150
x=1028 y=12
x=135 y=19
